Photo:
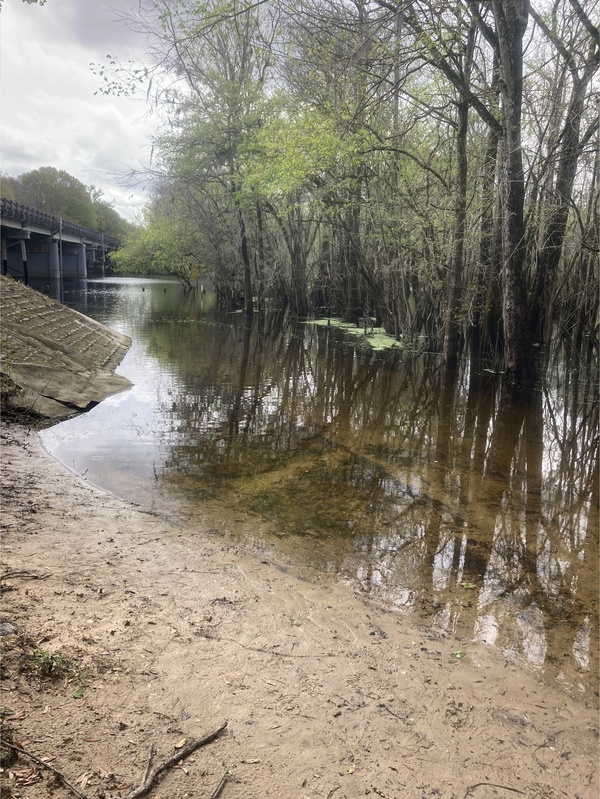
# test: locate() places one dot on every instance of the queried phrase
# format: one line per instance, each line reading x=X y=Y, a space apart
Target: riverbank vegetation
x=432 y=167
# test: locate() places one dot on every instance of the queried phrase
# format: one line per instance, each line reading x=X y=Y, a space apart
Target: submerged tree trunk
x=354 y=310
x=248 y=304
x=487 y=303
x=511 y=18
x=259 y=261
x=455 y=277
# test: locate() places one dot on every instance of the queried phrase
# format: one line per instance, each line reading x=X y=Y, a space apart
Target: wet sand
x=172 y=630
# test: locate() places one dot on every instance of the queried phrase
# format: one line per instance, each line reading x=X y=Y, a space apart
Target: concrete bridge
x=40 y=246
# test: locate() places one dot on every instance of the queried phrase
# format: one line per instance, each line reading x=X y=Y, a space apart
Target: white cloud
x=52 y=113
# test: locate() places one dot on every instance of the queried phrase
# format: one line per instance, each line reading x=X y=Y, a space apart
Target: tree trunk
x=352 y=256
x=511 y=21
x=260 y=260
x=452 y=326
x=248 y=305
x=489 y=244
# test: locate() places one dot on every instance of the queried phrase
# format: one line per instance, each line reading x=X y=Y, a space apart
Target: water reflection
x=435 y=493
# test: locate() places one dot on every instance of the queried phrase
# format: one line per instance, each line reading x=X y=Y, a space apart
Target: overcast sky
x=49 y=114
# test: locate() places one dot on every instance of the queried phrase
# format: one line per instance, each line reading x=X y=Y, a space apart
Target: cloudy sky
x=50 y=114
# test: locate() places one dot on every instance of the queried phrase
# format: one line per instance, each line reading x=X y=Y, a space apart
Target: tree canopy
x=59 y=193
x=431 y=166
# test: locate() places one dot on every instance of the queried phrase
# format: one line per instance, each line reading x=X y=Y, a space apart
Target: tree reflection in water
x=431 y=491
x=437 y=493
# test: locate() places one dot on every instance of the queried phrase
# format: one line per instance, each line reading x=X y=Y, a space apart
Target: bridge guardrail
x=18 y=212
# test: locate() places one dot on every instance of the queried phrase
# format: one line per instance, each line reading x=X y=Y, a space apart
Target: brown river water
x=433 y=494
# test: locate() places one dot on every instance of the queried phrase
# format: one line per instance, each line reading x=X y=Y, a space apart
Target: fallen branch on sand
x=30 y=575
x=149 y=778
x=43 y=763
x=217 y=791
x=172 y=761
x=491 y=785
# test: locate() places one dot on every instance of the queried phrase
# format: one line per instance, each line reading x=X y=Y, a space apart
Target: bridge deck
x=18 y=216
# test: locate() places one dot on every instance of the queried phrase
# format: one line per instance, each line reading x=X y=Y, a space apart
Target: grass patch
x=54 y=665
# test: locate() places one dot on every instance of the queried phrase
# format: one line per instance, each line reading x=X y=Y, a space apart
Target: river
x=435 y=495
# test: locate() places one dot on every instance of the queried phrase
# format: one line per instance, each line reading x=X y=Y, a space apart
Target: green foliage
x=290 y=152
x=57 y=192
x=77 y=210
x=107 y=220
x=119 y=79
x=54 y=665
x=164 y=245
x=9 y=186
x=50 y=190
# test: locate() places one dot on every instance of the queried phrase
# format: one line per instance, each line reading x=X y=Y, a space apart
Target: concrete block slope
x=58 y=361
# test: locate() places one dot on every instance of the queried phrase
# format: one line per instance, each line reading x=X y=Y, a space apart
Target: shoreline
x=177 y=629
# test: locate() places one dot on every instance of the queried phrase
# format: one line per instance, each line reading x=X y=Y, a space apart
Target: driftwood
x=491 y=785
x=148 y=764
x=149 y=777
x=10 y=575
x=172 y=761
x=217 y=791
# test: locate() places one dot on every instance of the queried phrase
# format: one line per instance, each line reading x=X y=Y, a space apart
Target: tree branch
x=146 y=785
x=43 y=763
x=586 y=22
x=554 y=39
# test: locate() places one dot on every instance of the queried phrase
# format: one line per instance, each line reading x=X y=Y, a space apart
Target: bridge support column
x=53 y=260
x=81 y=262
x=4 y=258
x=103 y=251
x=24 y=259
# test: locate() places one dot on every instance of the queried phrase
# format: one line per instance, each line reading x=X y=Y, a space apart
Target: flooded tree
x=576 y=44
x=209 y=67
x=430 y=168
x=511 y=19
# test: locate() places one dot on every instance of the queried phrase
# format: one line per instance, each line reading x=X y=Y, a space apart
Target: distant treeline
x=56 y=192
